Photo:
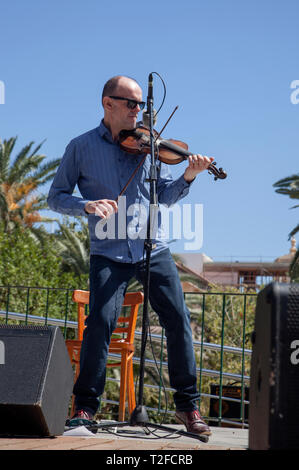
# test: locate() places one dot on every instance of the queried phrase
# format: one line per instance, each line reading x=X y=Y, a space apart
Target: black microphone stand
x=139 y=416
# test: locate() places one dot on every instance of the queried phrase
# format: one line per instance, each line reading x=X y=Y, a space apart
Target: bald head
x=114 y=84
x=117 y=93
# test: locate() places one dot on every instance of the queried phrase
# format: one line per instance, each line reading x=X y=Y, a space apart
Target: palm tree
x=73 y=246
x=290 y=187
x=19 y=181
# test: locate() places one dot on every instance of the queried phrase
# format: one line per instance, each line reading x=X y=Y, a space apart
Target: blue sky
x=227 y=64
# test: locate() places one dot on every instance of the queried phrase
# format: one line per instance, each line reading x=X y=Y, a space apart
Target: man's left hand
x=197 y=164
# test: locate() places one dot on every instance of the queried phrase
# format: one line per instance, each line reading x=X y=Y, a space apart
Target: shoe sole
x=91 y=425
x=204 y=433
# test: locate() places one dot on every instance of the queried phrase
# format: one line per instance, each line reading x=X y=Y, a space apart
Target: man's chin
x=130 y=126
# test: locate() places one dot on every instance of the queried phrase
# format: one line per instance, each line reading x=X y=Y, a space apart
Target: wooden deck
x=130 y=439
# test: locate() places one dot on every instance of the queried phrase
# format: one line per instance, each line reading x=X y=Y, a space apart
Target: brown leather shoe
x=193 y=422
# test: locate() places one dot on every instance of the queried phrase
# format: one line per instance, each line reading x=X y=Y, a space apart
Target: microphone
x=146 y=114
x=150 y=89
x=146 y=117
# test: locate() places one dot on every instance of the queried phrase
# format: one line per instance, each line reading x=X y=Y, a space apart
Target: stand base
x=138 y=420
x=139 y=416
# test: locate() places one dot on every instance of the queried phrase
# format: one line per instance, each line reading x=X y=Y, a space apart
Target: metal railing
x=225 y=317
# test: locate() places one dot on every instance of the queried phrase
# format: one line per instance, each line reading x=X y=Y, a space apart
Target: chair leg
x=73 y=406
x=77 y=370
x=76 y=363
x=123 y=388
x=130 y=387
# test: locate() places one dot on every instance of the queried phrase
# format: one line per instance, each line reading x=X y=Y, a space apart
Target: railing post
x=161 y=371
x=47 y=306
x=7 y=305
x=242 y=417
x=66 y=312
x=201 y=346
x=27 y=306
x=221 y=358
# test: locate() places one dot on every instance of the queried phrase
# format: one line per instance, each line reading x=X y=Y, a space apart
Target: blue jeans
x=108 y=283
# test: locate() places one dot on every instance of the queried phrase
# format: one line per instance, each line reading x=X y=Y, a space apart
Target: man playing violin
x=95 y=162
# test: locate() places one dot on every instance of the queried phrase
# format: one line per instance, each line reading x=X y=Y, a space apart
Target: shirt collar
x=105 y=133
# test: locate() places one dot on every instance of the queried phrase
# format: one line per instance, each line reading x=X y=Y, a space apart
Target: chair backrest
x=126 y=324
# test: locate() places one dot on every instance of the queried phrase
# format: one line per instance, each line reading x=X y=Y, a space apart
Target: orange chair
x=123 y=345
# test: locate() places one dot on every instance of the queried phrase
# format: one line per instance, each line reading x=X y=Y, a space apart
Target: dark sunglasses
x=131 y=104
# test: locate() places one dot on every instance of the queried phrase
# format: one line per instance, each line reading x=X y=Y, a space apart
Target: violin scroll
x=218 y=173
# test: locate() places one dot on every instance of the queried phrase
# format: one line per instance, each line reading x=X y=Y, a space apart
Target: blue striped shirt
x=100 y=169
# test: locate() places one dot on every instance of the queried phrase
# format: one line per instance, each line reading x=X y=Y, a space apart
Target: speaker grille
x=24 y=327
x=293 y=310
x=292 y=328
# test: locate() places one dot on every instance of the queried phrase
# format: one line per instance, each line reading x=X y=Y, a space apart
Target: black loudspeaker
x=274 y=381
x=36 y=380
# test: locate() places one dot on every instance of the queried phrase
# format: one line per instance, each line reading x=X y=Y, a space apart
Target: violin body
x=137 y=142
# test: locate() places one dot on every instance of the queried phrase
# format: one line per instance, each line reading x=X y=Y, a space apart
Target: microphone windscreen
x=145 y=118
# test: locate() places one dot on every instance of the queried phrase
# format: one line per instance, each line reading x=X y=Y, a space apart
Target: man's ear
x=107 y=103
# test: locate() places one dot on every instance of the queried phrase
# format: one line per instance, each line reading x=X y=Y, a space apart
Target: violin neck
x=175 y=148
x=219 y=174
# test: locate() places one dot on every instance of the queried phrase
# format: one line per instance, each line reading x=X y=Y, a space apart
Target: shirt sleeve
x=60 y=197
x=170 y=191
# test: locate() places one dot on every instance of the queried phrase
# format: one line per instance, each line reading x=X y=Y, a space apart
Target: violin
x=137 y=142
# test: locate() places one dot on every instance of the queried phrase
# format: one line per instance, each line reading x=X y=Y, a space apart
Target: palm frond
x=46 y=172
x=74 y=250
x=293 y=179
x=288 y=186
x=294 y=231
x=6 y=148
x=20 y=179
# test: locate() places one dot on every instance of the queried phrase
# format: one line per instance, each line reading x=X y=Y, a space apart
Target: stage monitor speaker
x=36 y=380
x=274 y=381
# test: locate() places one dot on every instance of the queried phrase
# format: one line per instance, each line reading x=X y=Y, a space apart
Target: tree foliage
x=21 y=178
x=72 y=243
x=32 y=278
x=289 y=186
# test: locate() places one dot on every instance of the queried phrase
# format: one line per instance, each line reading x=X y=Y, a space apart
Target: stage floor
x=130 y=439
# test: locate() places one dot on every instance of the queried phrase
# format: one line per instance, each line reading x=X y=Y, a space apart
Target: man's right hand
x=103 y=207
